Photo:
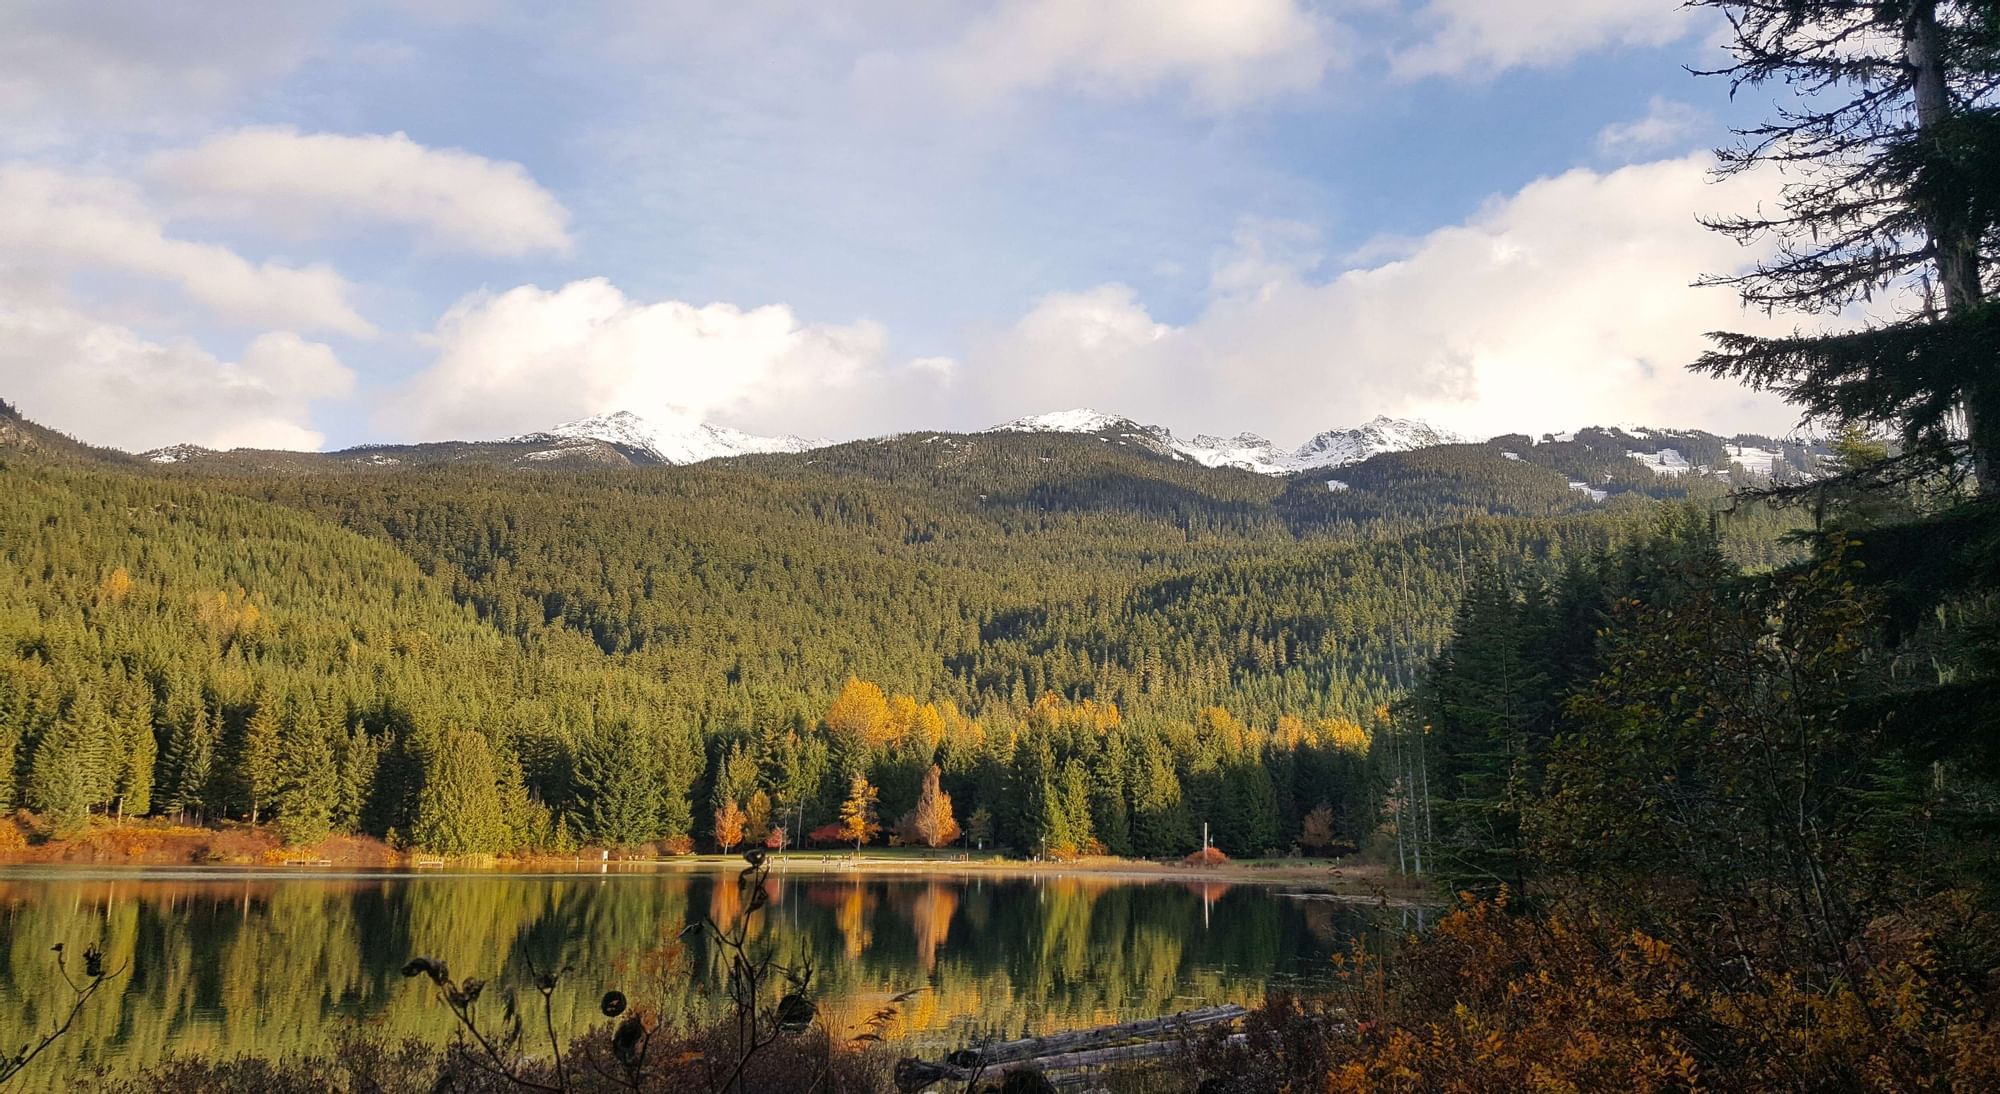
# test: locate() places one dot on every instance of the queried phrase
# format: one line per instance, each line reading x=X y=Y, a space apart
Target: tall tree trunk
x=1955 y=245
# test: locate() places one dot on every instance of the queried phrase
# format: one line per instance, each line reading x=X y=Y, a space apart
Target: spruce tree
x=458 y=809
x=307 y=788
x=617 y=791
x=59 y=780
x=1892 y=152
x=256 y=763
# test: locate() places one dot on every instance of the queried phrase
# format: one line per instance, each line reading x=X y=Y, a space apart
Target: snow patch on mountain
x=1667 y=461
x=1079 y=420
x=676 y=443
x=1248 y=451
x=176 y=453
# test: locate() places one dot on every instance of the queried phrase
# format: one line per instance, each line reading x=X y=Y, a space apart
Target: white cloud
x=108 y=385
x=530 y=358
x=1565 y=304
x=289 y=181
x=55 y=223
x=1225 y=52
x=1667 y=126
x=1482 y=37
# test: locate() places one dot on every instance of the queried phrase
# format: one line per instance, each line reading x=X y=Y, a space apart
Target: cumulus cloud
x=1483 y=37
x=1665 y=125
x=1567 y=303
x=288 y=181
x=55 y=222
x=529 y=358
x=1225 y=52
x=108 y=385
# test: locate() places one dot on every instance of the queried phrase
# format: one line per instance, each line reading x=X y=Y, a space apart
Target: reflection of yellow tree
x=850 y=916
x=931 y=916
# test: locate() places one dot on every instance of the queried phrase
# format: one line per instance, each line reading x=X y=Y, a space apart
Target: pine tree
x=1160 y=823
x=617 y=791
x=257 y=761
x=189 y=762
x=458 y=809
x=1893 y=159
x=137 y=750
x=307 y=787
x=59 y=780
x=360 y=754
x=1110 y=819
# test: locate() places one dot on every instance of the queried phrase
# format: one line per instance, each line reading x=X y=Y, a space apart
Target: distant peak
x=1077 y=420
x=679 y=442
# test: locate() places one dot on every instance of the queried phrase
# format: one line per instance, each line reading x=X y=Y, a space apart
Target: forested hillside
x=1096 y=645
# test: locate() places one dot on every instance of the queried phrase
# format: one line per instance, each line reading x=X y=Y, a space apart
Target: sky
x=310 y=226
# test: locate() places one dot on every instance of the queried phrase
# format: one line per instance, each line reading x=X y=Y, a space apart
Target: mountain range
x=627 y=439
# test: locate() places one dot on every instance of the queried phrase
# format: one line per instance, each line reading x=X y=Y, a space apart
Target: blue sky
x=274 y=226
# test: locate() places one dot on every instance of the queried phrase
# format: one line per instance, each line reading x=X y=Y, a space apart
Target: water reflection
x=268 y=964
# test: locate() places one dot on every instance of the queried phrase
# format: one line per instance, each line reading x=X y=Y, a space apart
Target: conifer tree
x=360 y=754
x=618 y=793
x=59 y=780
x=1160 y=823
x=257 y=761
x=1110 y=819
x=307 y=788
x=1893 y=160
x=187 y=767
x=458 y=809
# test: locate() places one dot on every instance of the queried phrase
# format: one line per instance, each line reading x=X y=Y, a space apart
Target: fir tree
x=618 y=792
x=257 y=760
x=458 y=809
x=307 y=788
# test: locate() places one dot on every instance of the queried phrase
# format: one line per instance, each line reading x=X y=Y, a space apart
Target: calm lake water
x=270 y=963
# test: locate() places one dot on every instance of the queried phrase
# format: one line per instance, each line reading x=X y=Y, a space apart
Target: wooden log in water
x=1075 y=1050
x=1077 y=1040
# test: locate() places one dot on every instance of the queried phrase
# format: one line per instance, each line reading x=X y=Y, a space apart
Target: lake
x=275 y=962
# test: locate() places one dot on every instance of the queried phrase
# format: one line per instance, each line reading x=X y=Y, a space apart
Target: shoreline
x=238 y=848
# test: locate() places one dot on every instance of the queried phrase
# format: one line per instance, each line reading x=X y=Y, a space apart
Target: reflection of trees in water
x=268 y=965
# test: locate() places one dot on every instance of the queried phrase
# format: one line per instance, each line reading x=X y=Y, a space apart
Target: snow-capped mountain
x=1340 y=447
x=1079 y=420
x=1248 y=451
x=675 y=444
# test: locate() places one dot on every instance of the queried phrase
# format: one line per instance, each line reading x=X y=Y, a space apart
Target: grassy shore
x=157 y=842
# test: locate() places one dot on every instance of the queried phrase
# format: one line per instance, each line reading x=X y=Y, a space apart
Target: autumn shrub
x=1490 y=1000
x=1207 y=856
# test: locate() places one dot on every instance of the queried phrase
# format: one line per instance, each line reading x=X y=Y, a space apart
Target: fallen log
x=1076 y=1050
x=1075 y=1040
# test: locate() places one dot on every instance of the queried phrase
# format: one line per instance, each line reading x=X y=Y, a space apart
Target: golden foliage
x=1493 y=1001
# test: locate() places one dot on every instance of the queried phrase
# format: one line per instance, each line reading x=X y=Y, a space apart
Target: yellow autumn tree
x=857 y=813
x=860 y=710
x=934 y=824
x=729 y=821
x=1345 y=734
